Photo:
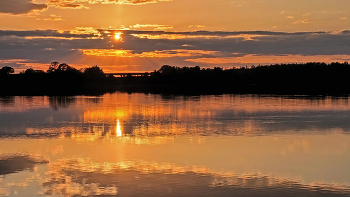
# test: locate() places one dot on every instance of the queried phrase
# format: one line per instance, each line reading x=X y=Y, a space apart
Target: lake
x=139 y=144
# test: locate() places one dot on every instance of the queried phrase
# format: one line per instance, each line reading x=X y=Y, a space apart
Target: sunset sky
x=143 y=35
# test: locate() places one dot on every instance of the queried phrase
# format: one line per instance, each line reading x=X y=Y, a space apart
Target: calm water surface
x=152 y=145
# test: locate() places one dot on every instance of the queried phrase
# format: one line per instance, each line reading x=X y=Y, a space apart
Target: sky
x=143 y=35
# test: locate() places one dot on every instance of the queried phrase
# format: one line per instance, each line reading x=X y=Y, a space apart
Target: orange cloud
x=302 y=21
x=187 y=36
x=272 y=59
x=154 y=54
x=51 y=18
x=85 y=30
x=153 y=27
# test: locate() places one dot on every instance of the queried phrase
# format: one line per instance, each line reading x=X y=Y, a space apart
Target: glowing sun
x=117 y=36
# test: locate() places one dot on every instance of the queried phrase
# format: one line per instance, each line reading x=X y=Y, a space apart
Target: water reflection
x=155 y=145
x=118 y=130
x=7 y=100
x=307 y=165
x=57 y=102
x=145 y=115
x=16 y=163
x=140 y=178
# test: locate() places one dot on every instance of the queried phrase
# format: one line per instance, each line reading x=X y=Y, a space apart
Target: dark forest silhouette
x=308 y=78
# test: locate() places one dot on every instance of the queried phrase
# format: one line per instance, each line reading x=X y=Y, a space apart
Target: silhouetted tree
x=7 y=70
x=94 y=74
x=53 y=66
x=166 y=69
x=57 y=67
x=31 y=71
x=64 y=67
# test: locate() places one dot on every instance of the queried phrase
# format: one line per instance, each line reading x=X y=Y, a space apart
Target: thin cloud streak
x=78 y=4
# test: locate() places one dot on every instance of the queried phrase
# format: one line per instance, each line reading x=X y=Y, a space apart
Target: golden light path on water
x=144 y=144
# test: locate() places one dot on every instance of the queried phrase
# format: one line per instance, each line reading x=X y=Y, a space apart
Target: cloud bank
x=77 y=4
x=137 y=49
x=16 y=7
x=19 y=6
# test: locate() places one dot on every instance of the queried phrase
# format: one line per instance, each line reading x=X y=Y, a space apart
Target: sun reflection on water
x=118 y=130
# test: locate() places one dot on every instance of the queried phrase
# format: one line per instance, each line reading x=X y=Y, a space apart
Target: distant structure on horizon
x=145 y=74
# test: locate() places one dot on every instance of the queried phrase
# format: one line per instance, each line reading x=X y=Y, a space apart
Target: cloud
x=152 y=27
x=66 y=4
x=19 y=6
x=51 y=18
x=133 y=2
x=43 y=46
x=16 y=7
x=84 y=34
x=78 y=4
x=240 y=3
x=156 y=53
x=270 y=59
x=88 y=46
x=230 y=43
x=302 y=21
x=16 y=163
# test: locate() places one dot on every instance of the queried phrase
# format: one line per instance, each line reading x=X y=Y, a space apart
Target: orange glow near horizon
x=151 y=54
x=113 y=60
x=182 y=36
x=256 y=59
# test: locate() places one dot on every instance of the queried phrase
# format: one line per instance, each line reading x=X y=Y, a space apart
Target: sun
x=117 y=36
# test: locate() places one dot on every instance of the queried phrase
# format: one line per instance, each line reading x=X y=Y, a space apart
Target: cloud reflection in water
x=84 y=177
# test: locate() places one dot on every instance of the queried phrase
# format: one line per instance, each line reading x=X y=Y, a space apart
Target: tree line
x=276 y=74
x=60 y=78
x=305 y=78
x=274 y=78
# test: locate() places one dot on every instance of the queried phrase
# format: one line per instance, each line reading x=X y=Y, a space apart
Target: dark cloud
x=221 y=33
x=19 y=6
x=45 y=46
x=252 y=42
x=45 y=33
